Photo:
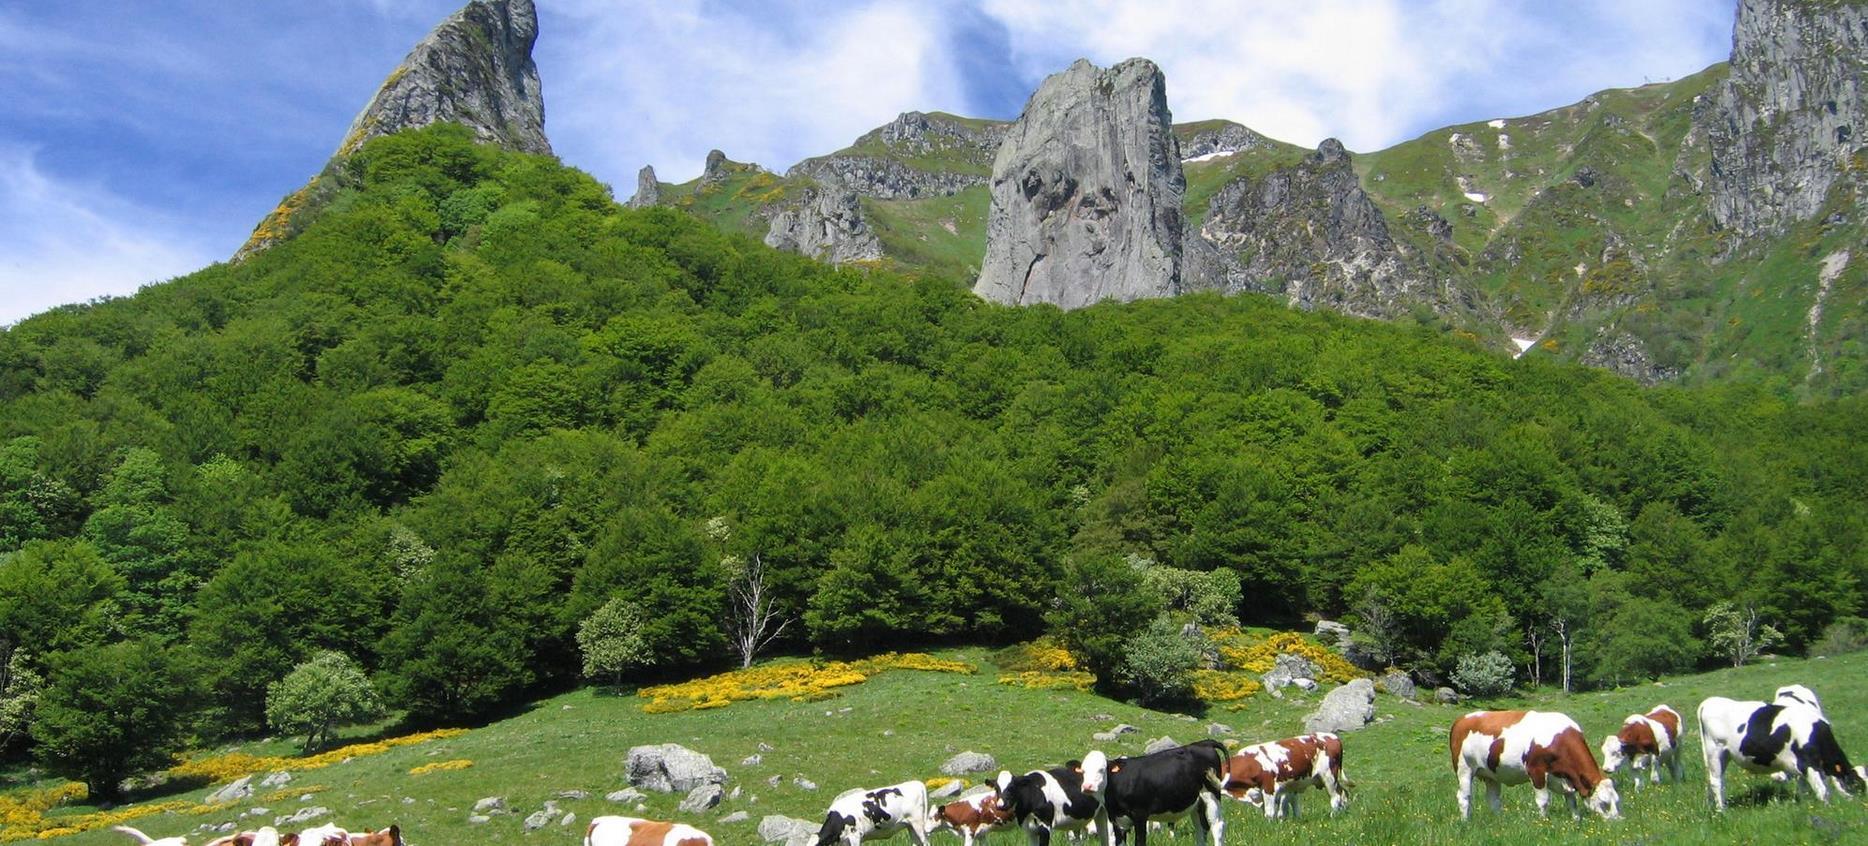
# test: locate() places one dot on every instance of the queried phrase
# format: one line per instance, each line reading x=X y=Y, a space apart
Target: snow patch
x=1209 y=156
x=1524 y=345
x=1497 y=123
x=1475 y=196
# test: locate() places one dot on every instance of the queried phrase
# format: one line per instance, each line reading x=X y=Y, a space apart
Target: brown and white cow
x=973 y=817
x=1273 y=774
x=1542 y=747
x=265 y=836
x=630 y=831
x=1651 y=740
x=391 y=836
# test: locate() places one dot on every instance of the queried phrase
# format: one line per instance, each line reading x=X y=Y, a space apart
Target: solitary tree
x=112 y=711
x=320 y=695
x=19 y=691
x=1739 y=633
x=754 y=619
x=612 y=641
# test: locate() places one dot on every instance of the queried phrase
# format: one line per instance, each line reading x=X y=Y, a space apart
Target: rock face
x=1624 y=353
x=475 y=69
x=1216 y=138
x=648 y=189
x=916 y=155
x=1396 y=683
x=1288 y=669
x=1346 y=708
x=1311 y=234
x=826 y=224
x=1790 y=115
x=1086 y=193
x=671 y=768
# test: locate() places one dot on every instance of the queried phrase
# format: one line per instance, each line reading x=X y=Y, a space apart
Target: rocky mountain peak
x=1791 y=114
x=476 y=69
x=1330 y=152
x=648 y=189
x=1086 y=192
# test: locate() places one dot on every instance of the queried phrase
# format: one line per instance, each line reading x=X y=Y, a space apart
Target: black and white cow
x=1046 y=801
x=872 y=814
x=1164 y=785
x=1773 y=737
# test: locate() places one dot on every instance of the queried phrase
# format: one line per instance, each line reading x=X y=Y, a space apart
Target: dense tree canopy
x=476 y=400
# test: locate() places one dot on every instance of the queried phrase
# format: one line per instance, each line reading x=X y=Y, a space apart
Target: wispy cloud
x=63 y=242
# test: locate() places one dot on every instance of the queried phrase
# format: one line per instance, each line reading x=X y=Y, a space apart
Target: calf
x=1276 y=772
x=146 y=840
x=973 y=817
x=1651 y=739
x=1165 y=785
x=629 y=831
x=1046 y=801
x=1543 y=748
x=266 y=836
x=1770 y=737
x=860 y=814
x=328 y=834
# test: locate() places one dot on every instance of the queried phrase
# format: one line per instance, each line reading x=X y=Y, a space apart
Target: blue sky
x=140 y=140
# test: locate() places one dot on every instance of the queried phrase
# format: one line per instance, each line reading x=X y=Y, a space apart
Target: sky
x=140 y=141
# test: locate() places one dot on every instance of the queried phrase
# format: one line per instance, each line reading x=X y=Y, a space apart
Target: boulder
x=1217 y=729
x=303 y=815
x=1305 y=685
x=567 y=819
x=702 y=798
x=1160 y=743
x=790 y=831
x=736 y=816
x=627 y=794
x=1103 y=736
x=969 y=762
x=539 y=819
x=825 y=223
x=1123 y=728
x=1346 y=708
x=1396 y=683
x=234 y=791
x=671 y=768
x=478 y=819
x=278 y=779
x=1086 y=193
x=804 y=783
x=752 y=760
x=951 y=788
x=1287 y=668
x=1446 y=696
x=1333 y=633
x=573 y=794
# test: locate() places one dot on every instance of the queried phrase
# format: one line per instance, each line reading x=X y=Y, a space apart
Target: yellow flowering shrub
x=441 y=767
x=1224 y=686
x=233 y=765
x=1043 y=680
x=1259 y=655
x=799 y=681
x=939 y=782
x=1043 y=655
x=23 y=812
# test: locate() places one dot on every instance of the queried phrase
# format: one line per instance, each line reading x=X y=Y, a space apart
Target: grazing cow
x=1796 y=694
x=1273 y=774
x=1651 y=739
x=629 y=831
x=973 y=817
x=146 y=840
x=1165 y=785
x=266 y=836
x=1046 y=801
x=329 y=834
x=391 y=836
x=1770 y=737
x=1542 y=747
x=862 y=814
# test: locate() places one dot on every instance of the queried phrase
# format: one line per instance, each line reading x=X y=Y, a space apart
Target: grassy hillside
x=902 y=725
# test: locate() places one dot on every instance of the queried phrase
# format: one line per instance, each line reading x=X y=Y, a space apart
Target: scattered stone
x=1346 y=708
x=734 y=794
x=226 y=827
x=278 y=779
x=951 y=788
x=804 y=783
x=303 y=815
x=1397 y=683
x=671 y=768
x=495 y=805
x=752 y=760
x=1330 y=631
x=1101 y=718
x=573 y=794
x=1103 y=736
x=736 y=816
x=702 y=798
x=305 y=797
x=1158 y=744
x=1305 y=685
x=568 y=819
x=790 y=831
x=764 y=747
x=256 y=812
x=774 y=780
x=1446 y=696
x=1288 y=668
x=240 y=788
x=969 y=762
x=478 y=819
x=627 y=794
x=408 y=800
x=538 y=820
x=1123 y=728
x=1217 y=729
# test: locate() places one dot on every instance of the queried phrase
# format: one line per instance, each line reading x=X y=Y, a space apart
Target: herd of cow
x=1788 y=737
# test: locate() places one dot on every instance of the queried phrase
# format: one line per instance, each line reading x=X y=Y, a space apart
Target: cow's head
x=1605 y=801
x=1095 y=771
x=1614 y=754
x=832 y=831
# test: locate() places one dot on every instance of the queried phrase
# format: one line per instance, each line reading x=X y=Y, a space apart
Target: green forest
x=475 y=401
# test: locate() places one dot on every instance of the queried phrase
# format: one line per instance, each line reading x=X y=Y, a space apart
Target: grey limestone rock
x=302 y=815
x=278 y=779
x=825 y=223
x=1616 y=350
x=736 y=816
x=1346 y=708
x=1214 y=138
x=1218 y=729
x=1158 y=744
x=790 y=831
x=1086 y=193
x=1287 y=669
x=969 y=762
x=701 y=798
x=752 y=760
x=671 y=768
x=804 y=783
x=1446 y=696
x=627 y=794
x=573 y=794
x=951 y=788
x=648 y=189
x=478 y=819
x=1396 y=683
x=1789 y=117
x=233 y=791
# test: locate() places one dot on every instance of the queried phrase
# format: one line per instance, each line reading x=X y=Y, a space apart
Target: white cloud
x=664 y=82
x=62 y=242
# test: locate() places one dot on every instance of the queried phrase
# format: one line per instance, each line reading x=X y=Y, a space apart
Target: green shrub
x=1158 y=663
x=319 y=695
x=1845 y=635
x=1489 y=674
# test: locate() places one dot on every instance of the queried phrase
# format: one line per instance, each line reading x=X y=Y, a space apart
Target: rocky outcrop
x=885 y=178
x=1310 y=233
x=1217 y=138
x=916 y=155
x=648 y=189
x=671 y=768
x=475 y=69
x=1346 y=708
x=1790 y=115
x=1616 y=350
x=1086 y=193
x=825 y=223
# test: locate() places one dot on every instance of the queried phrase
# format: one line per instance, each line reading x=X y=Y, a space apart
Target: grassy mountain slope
x=902 y=725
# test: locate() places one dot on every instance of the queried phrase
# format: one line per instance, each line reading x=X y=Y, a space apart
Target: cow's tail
x=1216 y=777
x=1830 y=758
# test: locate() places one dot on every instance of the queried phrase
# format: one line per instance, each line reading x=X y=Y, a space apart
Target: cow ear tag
x=1116 y=769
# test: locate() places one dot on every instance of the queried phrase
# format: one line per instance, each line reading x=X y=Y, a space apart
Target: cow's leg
x=1462 y=790
x=966 y=835
x=1715 y=774
x=1676 y=763
x=1543 y=799
x=919 y=834
x=1215 y=818
x=1818 y=784
x=1291 y=809
x=1492 y=796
